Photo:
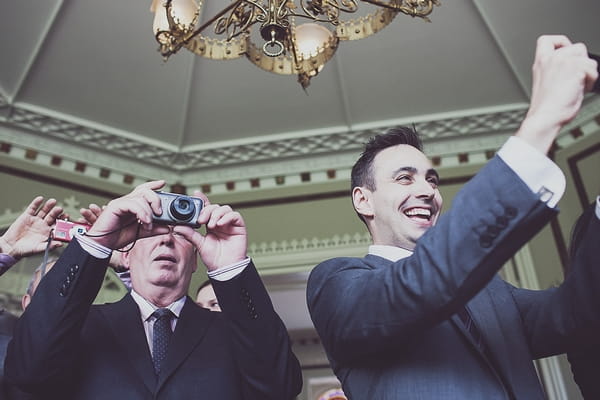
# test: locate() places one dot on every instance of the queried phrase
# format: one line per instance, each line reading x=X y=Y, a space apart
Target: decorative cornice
x=290 y=159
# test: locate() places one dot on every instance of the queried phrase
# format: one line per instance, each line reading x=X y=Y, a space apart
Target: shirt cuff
x=93 y=248
x=598 y=207
x=230 y=271
x=536 y=170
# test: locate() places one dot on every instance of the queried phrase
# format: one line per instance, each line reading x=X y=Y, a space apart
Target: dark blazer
x=584 y=254
x=391 y=331
x=66 y=348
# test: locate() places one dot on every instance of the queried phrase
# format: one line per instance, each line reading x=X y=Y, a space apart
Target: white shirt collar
x=147 y=308
x=391 y=253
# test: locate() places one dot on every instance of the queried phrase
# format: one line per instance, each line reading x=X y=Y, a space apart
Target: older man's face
x=163 y=261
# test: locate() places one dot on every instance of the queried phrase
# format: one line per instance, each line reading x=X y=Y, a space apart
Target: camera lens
x=182 y=209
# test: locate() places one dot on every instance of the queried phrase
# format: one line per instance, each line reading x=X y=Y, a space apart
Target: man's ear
x=125 y=259
x=361 y=199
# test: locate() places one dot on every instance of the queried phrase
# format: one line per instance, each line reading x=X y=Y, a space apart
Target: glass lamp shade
x=310 y=38
x=183 y=12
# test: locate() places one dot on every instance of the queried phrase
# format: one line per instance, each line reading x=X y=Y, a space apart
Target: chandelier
x=287 y=48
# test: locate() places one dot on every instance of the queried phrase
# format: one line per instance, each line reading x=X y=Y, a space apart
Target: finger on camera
x=217 y=215
x=202 y=196
x=151 y=198
x=189 y=234
x=55 y=212
x=233 y=219
x=205 y=213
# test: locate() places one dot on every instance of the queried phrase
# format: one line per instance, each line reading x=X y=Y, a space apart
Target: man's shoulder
x=342 y=265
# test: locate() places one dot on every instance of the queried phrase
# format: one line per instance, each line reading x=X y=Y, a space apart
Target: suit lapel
x=189 y=331
x=125 y=322
x=484 y=310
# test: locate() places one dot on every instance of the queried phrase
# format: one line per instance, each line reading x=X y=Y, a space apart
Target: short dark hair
x=362 y=171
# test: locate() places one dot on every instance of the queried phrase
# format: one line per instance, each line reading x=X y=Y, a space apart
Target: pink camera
x=66 y=230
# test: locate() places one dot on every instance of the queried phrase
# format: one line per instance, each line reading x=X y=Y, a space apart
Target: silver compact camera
x=178 y=209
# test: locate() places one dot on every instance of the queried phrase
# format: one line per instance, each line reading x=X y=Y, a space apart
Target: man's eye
x=404 y=178
x=433 y=181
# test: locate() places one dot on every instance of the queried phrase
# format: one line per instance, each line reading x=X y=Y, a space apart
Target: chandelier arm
x=347 y=9
x=412 y=11
x=315 y=18
x=282 y=10
x=308 y=13
x=257 y=5
x=210 y=21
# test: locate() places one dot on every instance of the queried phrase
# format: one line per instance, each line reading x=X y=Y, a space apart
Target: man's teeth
x=419 y=212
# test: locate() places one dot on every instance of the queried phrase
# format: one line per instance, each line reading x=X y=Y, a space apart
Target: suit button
x=485 y=241
x=510 y=212
x=502 y=222
x=245 y=295
x=493 y=231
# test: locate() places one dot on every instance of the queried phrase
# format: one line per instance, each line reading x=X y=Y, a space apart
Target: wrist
x=7 y=248
x=538 y=132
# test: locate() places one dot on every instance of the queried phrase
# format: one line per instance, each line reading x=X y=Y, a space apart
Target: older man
x=155 y=343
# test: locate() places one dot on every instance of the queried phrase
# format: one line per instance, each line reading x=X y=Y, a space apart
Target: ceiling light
x=286 y=48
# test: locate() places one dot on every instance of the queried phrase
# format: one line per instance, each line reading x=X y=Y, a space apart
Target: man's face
x=163 y=261
x=406 y=200
x=207 y=298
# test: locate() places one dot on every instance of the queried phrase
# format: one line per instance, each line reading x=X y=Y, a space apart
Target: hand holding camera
x=179 y=209
x=130 y=217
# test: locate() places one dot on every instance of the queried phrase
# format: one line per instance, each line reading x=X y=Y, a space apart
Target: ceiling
x=83 y=80
x=85 y=75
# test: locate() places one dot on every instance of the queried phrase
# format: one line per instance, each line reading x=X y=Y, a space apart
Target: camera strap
x=46 y=252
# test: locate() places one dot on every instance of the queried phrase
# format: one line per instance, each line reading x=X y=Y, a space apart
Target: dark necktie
x=161 y=334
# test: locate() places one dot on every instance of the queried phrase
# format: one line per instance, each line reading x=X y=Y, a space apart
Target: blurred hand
x=29 y=233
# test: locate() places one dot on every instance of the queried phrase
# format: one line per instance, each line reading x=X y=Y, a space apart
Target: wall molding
x=126 y=160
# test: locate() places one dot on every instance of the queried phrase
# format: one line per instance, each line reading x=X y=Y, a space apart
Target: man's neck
x=159 y=297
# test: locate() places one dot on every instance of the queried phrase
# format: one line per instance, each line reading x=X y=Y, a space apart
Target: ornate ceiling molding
x=123 y=158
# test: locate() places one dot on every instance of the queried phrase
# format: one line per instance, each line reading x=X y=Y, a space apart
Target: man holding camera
x=155 y=342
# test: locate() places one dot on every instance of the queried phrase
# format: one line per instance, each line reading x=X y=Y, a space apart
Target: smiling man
x=424 y=315
x=155 y=343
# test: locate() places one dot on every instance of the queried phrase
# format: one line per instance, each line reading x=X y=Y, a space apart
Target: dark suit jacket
x=584 y=358
x=65 y=348
x=390 y=329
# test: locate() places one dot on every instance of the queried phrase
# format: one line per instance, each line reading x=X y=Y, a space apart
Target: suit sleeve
x=268 y=367
x=43 y=348
x=566 y=318
x=360 y=309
